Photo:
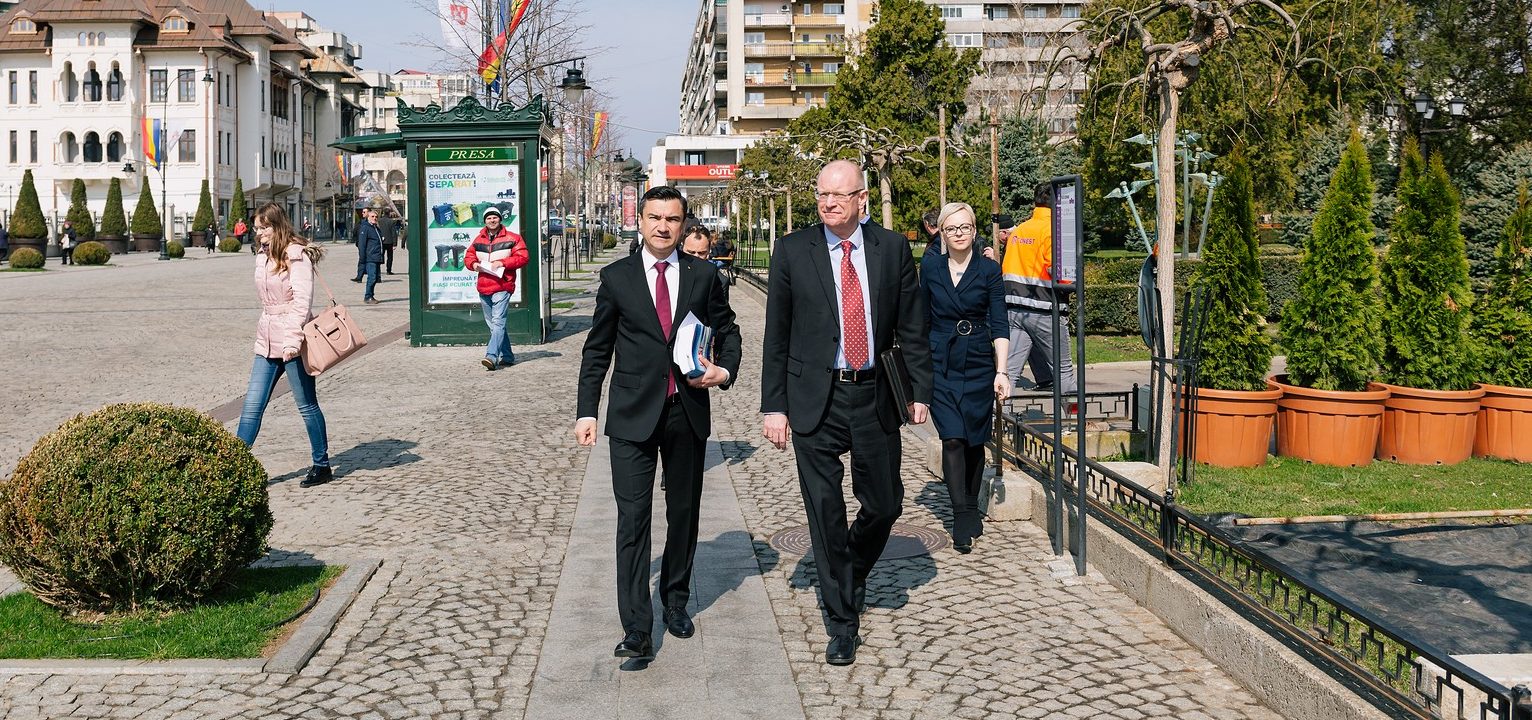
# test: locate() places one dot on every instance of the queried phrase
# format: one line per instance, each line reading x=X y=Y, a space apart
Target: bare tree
x=550 y=32
x=1168 y=68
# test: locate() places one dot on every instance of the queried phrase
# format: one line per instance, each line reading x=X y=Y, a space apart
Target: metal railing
x=1398 y=673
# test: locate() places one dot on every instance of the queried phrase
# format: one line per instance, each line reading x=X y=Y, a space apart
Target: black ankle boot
x=318 y=475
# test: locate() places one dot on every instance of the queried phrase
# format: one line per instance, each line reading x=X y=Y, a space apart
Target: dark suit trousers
x=843 y=557
x=633 y=466
x=388 y=258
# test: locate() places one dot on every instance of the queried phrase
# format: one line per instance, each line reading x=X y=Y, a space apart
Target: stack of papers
x=694 y=341
x=487 y=269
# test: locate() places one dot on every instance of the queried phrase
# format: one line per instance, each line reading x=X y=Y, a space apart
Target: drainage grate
x=906 y=541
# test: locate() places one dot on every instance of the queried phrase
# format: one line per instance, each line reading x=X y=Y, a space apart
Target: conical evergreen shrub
x=204 y=217
x=1332 y=328
x=1503 y=322
x=79 y=212
x=1235 y=352
x=114 y=223
x=146 y=219
x=1426 y=296
x=237 y=209
x=27 y=221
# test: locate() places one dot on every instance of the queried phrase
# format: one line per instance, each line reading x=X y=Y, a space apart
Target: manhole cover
x=905 y=541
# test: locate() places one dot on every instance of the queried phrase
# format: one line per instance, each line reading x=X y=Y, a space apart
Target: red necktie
x=853 y=317
x=662 y=307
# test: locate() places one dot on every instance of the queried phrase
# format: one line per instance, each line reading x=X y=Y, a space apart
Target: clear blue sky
x=645 y=46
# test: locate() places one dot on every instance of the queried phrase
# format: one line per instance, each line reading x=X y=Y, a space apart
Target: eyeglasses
x=958 y=230
x=837 y=196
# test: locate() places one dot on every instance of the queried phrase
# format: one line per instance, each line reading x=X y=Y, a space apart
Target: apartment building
x=1021 y=69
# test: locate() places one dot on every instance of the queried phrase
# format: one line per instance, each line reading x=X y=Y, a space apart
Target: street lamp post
x=574 y=87
x=1425 y=108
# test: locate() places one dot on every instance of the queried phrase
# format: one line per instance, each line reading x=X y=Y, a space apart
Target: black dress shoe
x=634 y=645
x=842 y=649
x=963 y=546
x=318 y=475
x=678 y=623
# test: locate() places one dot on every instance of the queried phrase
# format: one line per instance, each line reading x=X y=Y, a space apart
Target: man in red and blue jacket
x=496 y=254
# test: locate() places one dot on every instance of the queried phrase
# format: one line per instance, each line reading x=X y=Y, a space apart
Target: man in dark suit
x=654 y=411
x=841 y=292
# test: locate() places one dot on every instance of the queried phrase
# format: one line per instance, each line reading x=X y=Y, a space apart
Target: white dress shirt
x=858 y=261
x=672 y=276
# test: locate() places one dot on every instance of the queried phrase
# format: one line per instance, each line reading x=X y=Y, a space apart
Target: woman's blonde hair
x=271 y=215
x=954 y=208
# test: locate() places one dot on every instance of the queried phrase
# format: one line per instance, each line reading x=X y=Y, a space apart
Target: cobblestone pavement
x=993 y=634
x=466 y=484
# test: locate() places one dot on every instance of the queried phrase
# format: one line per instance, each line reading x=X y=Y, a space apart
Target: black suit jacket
x=625 y=324
x=803 y=324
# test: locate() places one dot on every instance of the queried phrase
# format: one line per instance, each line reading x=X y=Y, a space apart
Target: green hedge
x=1111 y=288
x=26 y=259
x=175 y=249
x=91 y=253
x=229 y=244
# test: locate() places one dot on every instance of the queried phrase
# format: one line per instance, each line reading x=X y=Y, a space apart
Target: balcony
x=768 y=20
x=809 y=21
x=769 y=49
x=819 y=78
x=819 y=49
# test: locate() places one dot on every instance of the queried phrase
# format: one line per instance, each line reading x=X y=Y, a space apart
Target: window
x=1069 y=11
x=751 y=98
x=835 y=8
x=34 y=146
x=82 y=40
x=832 y=67
x=997 y=40
x=114 y=84
x=92 y=147
x=69 y=148
x=963 y=40
x=175 y=24
x=186 y=86
x=23 y=25
x=997 y=12
x=13 y=147
x=188 y=146
x=71 y=83
x=1034 y=12
x=755 y=38
x=808 y=8
x=13 y=88
x=951 y=13
x=263 y=150
x=278 y=101
x=157 y=86
x=32 y=86
x=114 y=147
x=1034 y=40
x=92 y=84
x=220 y=147
x=755 y=72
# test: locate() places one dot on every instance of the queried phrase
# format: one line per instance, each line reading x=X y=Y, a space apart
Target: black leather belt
x=963 y=327
x=854 y=376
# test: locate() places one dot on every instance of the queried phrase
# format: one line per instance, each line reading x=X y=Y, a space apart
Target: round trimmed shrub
x=175 y=249
x=91 y=253
x=229 y=245
x=133 y=506
x=26 y=258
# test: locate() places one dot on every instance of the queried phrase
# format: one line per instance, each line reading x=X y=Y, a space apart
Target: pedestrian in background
x=241 y=232
x=970 y=340
x=930 y=222
x=369 y=248
x=1030 y=296
x=285 y=266
x=5 y=244
x=66 y=242
x=389 y=227
x=212 y=237
x=697 y=241
x=496 y=254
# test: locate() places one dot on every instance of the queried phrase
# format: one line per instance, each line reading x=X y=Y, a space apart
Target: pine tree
x=79 y=212
x=114 y=223
x=1236 y=352
x=237 y=209
x=1503 y=321
x=146 y=219
x=1426 y=295
x=27 y=219
x=1331 y=329
x=203 y=220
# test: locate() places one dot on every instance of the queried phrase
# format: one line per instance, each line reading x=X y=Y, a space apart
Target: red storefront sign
x=629 y=207
x=700 y=172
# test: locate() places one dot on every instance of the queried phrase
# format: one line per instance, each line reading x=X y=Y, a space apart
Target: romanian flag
x=154 y=142
x=490 y=59
x=595 y=134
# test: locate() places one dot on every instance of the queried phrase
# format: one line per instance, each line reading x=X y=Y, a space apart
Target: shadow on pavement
x=888 y=586
x=370 y=455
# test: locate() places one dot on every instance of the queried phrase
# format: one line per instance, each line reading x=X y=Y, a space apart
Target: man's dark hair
x=663 y=192
x=1043 y=196
x=931 y=217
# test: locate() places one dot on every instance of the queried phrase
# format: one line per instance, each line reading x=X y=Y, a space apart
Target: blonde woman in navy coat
x=970 y=340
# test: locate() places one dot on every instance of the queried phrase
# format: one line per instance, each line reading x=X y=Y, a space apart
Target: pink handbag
x=332 y=336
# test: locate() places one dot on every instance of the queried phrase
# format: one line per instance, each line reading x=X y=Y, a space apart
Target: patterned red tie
x=662 y=307
x=853 y=317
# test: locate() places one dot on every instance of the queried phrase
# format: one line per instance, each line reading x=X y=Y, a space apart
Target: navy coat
x=963 y=396
x=369 y=243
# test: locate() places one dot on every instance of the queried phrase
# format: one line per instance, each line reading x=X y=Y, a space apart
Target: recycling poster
x=467 y=182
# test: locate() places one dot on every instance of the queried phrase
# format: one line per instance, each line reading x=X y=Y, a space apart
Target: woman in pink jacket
x=285 y=265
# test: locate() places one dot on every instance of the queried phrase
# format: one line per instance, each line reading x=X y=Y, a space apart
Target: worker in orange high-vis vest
x=1027 y=267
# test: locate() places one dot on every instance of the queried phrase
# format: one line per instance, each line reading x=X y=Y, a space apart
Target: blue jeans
x=372 y=280
x=263 y=379
x=495 y=307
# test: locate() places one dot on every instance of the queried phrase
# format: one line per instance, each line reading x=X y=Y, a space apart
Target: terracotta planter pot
x=1427 y=427
x=1504 y=427
x=1234 y=427
x=143 y=242
x=1328 y=427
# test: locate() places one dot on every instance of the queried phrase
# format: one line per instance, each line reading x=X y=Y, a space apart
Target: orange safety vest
x=1027 y=265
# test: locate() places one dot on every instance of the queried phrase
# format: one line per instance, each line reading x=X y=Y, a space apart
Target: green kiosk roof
x=376 y=142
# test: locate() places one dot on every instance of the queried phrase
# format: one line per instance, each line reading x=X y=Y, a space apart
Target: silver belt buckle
x=963 y=327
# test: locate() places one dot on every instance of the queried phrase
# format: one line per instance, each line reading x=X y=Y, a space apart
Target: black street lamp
x=1425 y=108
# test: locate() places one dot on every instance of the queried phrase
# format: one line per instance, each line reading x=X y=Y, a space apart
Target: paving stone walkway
x=489 y=520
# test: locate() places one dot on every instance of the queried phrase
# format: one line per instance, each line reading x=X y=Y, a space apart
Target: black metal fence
x=1401 y=675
